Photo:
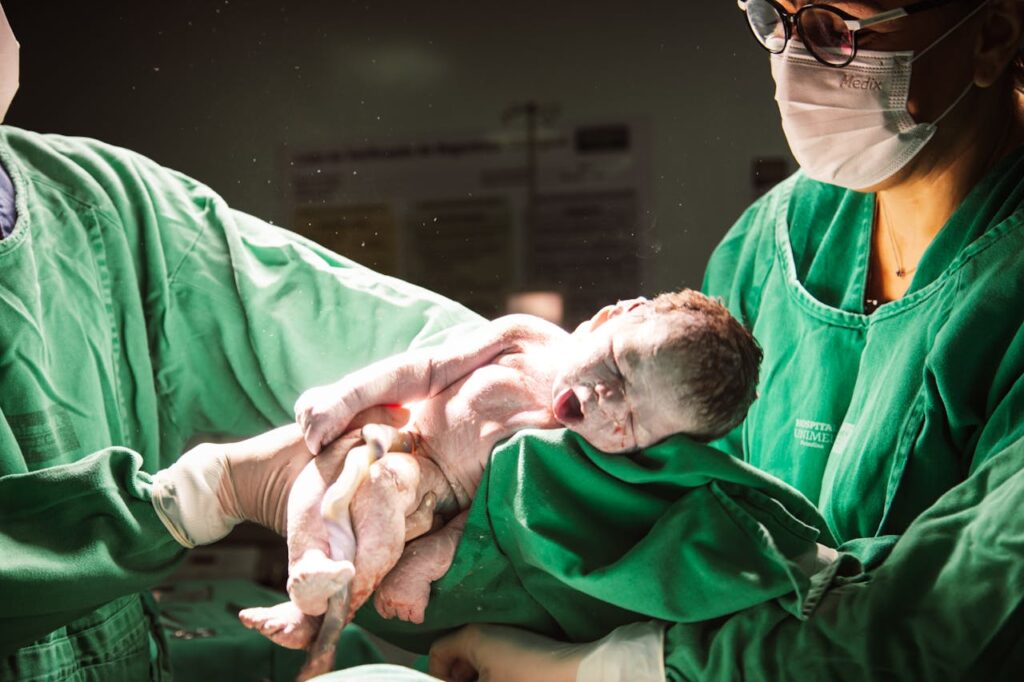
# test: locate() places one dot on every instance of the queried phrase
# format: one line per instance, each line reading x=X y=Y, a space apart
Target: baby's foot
x=315 y=578
x=283 y=624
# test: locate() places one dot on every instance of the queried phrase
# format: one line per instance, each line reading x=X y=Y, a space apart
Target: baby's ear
x=601 y=317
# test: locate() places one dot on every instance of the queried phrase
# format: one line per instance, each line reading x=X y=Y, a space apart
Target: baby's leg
x=312 y=574
x=396 y=488
x=405 y=590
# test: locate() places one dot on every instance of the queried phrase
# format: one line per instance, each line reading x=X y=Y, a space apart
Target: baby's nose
x=584 y=393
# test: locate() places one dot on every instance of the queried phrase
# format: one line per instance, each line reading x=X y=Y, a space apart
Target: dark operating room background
x=230 y=92
x=235 y=92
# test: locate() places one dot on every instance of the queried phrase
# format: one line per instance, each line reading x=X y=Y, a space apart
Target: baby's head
x=640 y=371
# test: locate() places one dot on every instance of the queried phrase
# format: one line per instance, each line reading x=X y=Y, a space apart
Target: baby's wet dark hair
x=718 y=360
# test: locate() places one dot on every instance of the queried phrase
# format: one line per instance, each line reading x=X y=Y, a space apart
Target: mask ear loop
x=951 y=107
x=945 y=35
x=948 y=33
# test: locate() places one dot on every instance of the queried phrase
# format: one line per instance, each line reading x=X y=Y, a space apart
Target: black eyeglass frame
x=791 y=21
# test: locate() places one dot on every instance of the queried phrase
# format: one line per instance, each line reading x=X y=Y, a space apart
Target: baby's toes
x=268 y=619
x=256 y=617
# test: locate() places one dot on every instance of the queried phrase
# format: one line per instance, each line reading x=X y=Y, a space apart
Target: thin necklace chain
x=901 y=272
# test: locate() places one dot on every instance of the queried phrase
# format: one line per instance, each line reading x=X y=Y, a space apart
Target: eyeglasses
x=829 y=33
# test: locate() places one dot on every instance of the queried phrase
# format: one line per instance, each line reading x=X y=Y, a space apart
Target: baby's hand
x=403 y=599
x=323 y=415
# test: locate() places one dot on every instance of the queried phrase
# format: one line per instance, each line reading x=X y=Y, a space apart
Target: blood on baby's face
x=613 y=388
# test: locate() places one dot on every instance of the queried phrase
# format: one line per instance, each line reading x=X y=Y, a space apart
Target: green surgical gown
x=905 y=426
x=137 y=310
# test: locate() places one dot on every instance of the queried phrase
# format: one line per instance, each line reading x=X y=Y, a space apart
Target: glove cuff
x=185 y=497
x=631 y=653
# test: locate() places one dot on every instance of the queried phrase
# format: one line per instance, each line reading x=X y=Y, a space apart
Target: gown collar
x=995 y=198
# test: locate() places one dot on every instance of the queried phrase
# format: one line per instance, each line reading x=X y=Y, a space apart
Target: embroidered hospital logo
x=811 y=434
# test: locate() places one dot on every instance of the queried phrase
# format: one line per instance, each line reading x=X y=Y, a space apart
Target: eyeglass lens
x=822 y=29
x=826 y=35
x=767 y=25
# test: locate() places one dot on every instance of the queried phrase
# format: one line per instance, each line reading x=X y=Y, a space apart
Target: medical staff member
x=137 y=310
x=885 y=282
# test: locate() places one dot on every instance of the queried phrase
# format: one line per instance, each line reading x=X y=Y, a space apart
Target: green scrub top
x=904 y=424
x=138 y=310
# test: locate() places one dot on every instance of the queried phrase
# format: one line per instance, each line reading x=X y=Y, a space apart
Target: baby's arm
x=325 y=411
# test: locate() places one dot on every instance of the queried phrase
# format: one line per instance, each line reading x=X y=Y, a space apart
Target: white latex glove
x=213 y=487
x=495 y=653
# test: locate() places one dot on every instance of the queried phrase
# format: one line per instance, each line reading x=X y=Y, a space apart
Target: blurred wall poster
x=478 y=218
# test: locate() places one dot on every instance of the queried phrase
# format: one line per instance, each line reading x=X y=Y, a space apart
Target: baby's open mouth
x=567 y=407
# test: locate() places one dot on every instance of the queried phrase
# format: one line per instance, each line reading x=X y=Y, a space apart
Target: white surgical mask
x=850 y=127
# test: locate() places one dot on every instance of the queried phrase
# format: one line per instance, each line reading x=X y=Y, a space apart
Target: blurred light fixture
x=545 y=304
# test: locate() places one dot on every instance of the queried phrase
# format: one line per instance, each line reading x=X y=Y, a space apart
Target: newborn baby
x=634 y=374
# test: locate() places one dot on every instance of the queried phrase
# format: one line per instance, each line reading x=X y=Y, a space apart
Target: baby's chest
x=502 y=389
x=498 y=393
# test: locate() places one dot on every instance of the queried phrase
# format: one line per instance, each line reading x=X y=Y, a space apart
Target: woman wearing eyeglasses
x=885 y=282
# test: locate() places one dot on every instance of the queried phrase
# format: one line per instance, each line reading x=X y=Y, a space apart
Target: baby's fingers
x=321 y=415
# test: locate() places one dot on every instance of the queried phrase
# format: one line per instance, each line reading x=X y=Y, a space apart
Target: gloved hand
x=213 y=487
x=495 y=653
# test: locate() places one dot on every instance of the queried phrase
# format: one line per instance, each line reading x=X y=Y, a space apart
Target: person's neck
x=913 y=210
x=922 y=203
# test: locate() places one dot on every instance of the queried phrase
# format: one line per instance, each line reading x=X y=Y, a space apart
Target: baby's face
x=610 y=389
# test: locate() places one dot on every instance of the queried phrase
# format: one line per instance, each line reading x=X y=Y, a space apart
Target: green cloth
x=879 y=417
x=137 y=310
x=572 y=542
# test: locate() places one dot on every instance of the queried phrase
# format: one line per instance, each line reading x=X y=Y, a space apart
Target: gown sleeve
x=234 y=318
x=74 y=537
x=945 y=603
x=251 y=315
